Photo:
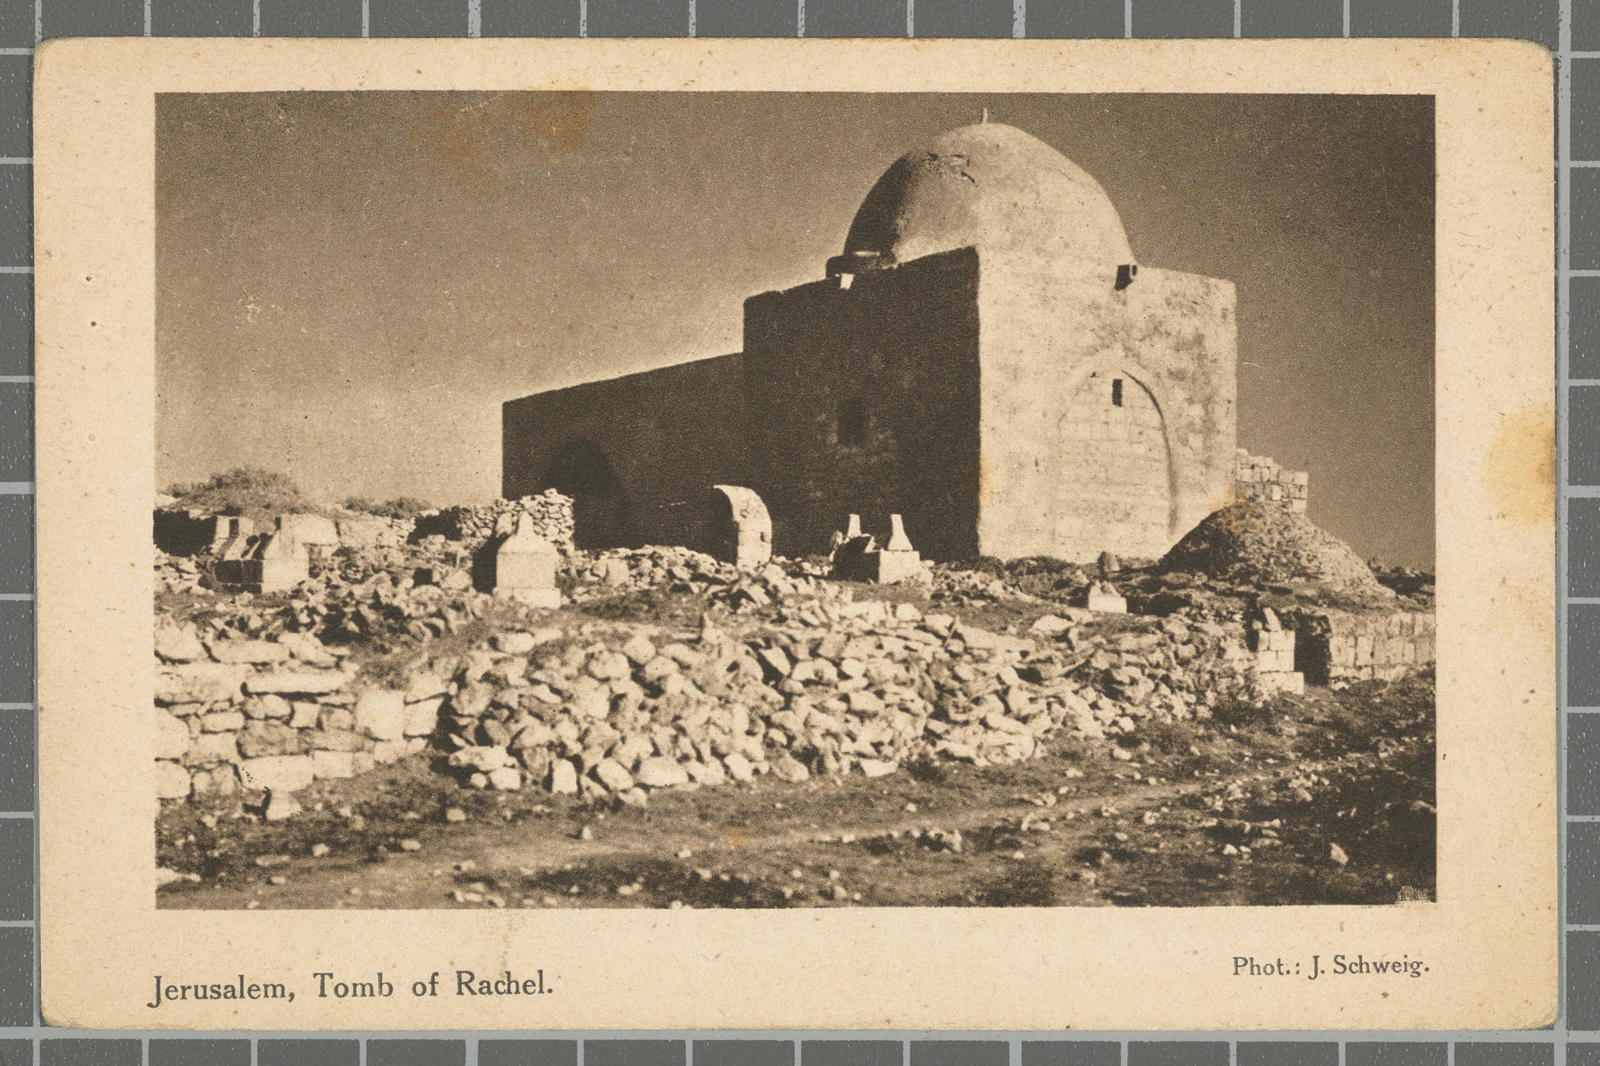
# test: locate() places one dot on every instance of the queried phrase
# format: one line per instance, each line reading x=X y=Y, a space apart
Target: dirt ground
x=1326 y=798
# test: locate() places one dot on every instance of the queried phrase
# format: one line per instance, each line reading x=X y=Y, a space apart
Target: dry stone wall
x=1340 y=647
x=789 y=676
x=1260 y=478
x=550 y=514
x=272 y=714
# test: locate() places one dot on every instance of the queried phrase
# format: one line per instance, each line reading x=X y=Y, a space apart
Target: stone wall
x=476 y=524
x=1108 y=409
x=1258 y=477
x=829 y=686
x=1340 y=647
x=273 y=714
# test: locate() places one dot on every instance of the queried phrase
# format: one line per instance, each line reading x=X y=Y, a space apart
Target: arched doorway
x=600 y=510
x=1117 y=490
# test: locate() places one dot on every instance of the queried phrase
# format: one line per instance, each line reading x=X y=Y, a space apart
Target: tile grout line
x=800 y=18
x=911 y=18
x=1238 y=18
x=474 y=18
x=255 y=31
x=1019 y=19
x=1346 y=14
x=1127 y=18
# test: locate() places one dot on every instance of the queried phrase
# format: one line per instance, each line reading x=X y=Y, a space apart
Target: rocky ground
x=777 y=739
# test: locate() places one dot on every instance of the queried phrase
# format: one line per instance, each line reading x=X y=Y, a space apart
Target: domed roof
x=1258 y=542
x=988 y=185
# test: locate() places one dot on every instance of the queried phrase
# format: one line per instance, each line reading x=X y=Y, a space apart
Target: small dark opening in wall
x=852 y=421
x=1116 y=392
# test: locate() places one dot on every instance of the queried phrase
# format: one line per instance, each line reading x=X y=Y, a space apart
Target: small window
x=1116 y=392
x=852 y=422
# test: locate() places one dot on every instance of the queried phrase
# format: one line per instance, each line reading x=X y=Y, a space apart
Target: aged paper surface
x=1478 y=952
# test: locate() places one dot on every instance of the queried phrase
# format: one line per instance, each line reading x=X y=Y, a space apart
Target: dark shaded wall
x=1066 y=471
x=865 y=399
x=638 y=454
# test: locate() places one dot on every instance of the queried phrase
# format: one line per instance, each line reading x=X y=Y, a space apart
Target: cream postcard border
x=1489 y=943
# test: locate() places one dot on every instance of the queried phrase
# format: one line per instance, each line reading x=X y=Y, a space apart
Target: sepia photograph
x=892 y=535
x=794 y=500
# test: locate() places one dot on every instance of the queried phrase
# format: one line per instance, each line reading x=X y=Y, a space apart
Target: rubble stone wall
x=835 y=686
x=476 y=524
x=272 y=714
x=1258 y=477
x=1339 y=647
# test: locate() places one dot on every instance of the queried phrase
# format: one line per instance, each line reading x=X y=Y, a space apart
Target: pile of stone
x=550 y=513
x=1257 y=543
x=618 y=712
x=598 y=574
x=972 y=588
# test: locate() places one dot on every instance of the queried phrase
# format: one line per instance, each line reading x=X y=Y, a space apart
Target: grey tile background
x=746 y=18
x=633 y=1053
x=1406 y=1053
x=1072 y=1053
x=1176 y=1053
x=1583 y=873
x=83 y=1052
x=16 y=760
x=16 y=125
x=16 y=977
x=851 y=1053
x=16 y=25
x=963 y=18
x=16 y=869
x=1183 y=18
x=638 y=18
x=201 y=18
x=1291 y=18
x=308 y=1052
x=416 y=18
x=1501 y=1054
x=16 y=543
x=959 y=1053
x=1583 y=301
x=1410 y=18
x=16 y=658
x=520 y=18
x=855 y=18
x=1285 y=1053
x=527 y=1053
x=1583 y=991
x=198 y=1052
x=1528 y=20
x=416 y=1052
x=16 y=215
x=310 y=18
x=16 y=422
x=1076 y=18
x=100 y=18
x=1583 y=680
x=744 y=1053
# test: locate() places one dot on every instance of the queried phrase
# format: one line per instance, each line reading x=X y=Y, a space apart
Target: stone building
x=985 y=358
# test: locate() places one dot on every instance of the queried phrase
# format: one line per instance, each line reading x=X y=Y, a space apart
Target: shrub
x=399 y=507
x=244 y=490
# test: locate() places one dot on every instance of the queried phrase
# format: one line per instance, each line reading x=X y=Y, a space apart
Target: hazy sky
x=350 y=284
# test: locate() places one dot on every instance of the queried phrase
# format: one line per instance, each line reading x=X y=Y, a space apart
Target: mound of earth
x=1265 y=543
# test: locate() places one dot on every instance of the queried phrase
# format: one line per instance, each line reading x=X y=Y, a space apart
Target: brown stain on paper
x=1520 y=470
x=467 y=137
